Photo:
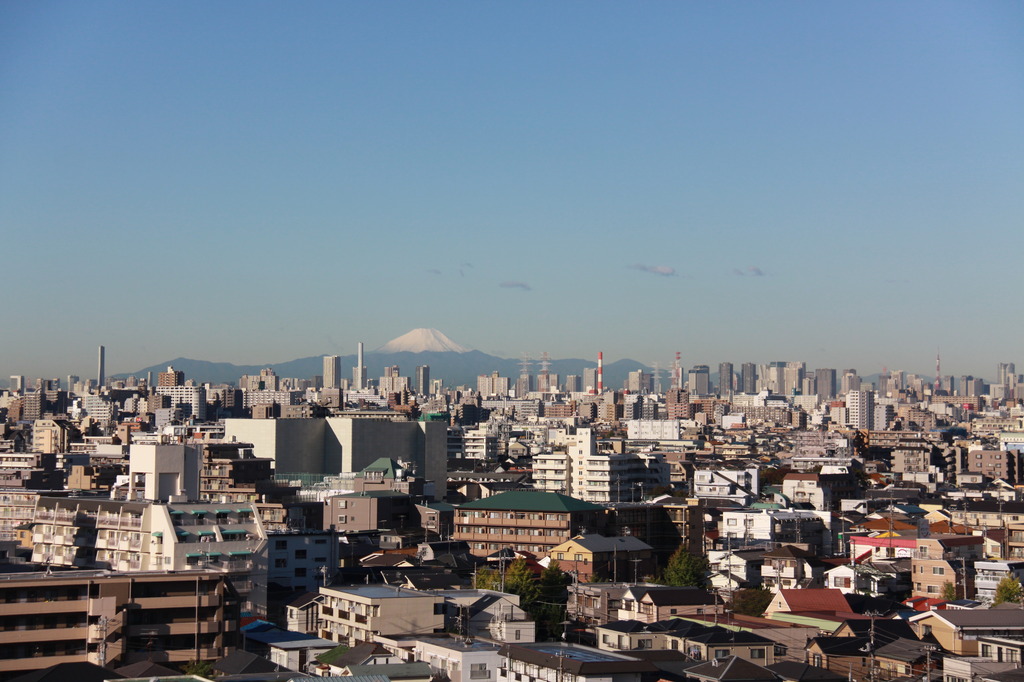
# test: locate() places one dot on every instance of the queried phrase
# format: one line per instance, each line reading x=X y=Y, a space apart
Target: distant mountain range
x=455 y=364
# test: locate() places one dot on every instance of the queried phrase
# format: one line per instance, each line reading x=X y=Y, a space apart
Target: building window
x=757 y=653
x=721 y=653
x=938 y=570
x=300 y=572
x=281 y=544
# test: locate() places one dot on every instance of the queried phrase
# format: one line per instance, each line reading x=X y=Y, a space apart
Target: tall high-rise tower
x=748 y=378
x=101 y=369
x=423 y=379
x=725 y=378
x=359 y=372
x=332 y=371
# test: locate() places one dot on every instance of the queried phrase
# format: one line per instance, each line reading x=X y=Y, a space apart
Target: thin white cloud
x=516 y=285
x=663 y=270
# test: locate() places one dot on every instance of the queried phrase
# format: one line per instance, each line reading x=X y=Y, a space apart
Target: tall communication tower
x=525 y=362
x=677 y=372
x=545 y=362
x=656 y=377
x=938 y=372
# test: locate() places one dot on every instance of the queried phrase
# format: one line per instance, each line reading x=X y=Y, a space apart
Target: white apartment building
x=860 y=409
x=193 y=396
x=459 y=660
x=145 y=536
x=575 y=468
x=737 y=485
x=653 y=429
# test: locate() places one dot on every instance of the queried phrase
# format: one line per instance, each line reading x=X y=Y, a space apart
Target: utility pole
x=928 y=649
x=871 y=645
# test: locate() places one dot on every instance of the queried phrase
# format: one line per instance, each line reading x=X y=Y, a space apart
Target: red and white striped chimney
x=600 y=372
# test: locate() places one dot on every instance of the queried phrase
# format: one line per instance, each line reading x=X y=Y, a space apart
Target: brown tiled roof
x=815 y=599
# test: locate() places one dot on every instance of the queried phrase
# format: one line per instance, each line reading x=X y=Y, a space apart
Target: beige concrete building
x=114 y=620
x=353 y=615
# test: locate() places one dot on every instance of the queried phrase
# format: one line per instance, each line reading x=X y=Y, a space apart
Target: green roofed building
x=527 y=521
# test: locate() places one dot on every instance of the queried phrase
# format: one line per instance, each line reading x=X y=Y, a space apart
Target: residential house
x=721 y=643
x=959 y=631
x=494 y=615
x=731 y=669
x=737 y=569
x=988 y=575
x=795 y=671
x=807 y=601
x=595 y=603
x=543 y=662
x=903 y=658
x=946 y=560
x=841 y=655
x=459 y=659
x=650 y=603
x=615 y=558
x=790 y=567
x=879 y=578
x=822 y=491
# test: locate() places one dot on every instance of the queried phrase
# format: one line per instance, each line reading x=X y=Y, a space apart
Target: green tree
x=519 y=579
x=686 y=570
x=1008 y=590
x=553 y=581
x=199 y=669
x=549 y=610
x=487 y=579
x=948 y=592
x=751 y=601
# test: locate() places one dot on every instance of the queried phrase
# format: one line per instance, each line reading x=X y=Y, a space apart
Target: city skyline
x=834 y=184
x=346 y=363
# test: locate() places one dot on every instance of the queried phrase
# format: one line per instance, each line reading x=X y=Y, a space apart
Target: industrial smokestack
x=101 y=369
x=600 y=372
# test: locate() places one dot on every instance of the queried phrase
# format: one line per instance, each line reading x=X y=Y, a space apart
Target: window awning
x=239 y=553
x=233 y=531
x=182 y=532
x=213 y=555
x=206 y=532
x=193 y=556
x=176 y=512
x=225 y=511
x=199 y=512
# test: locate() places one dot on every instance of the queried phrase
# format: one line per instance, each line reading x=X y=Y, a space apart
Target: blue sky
x=840 y=183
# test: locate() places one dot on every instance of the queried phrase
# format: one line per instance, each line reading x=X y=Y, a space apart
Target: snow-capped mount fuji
x=455 y=364
x=422 y=340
